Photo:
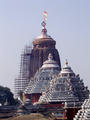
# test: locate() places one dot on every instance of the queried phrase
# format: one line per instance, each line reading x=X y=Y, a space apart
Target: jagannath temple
x=43 y=82
x=33 y=58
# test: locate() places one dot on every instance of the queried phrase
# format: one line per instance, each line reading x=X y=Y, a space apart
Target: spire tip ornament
x=66 y=63
x=45 y=19
x=50 y=57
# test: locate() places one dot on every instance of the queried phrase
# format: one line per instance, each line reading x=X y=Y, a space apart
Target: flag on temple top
x=45 y=15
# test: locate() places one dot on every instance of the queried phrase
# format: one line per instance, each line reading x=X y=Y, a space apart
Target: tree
x=6 y=95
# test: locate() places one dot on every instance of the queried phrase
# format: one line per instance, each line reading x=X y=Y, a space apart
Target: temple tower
x=33 y=60
x=42 y=46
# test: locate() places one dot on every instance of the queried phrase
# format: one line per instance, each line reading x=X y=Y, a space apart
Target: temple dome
x=44 y=40
x=50 y=63
x=44 y=35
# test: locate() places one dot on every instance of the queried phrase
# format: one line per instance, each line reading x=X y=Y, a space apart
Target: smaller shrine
x=39 y=84
x=68 y=89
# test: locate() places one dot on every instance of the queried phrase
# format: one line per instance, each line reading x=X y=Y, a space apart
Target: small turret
x=66 y=70
x=50 y=63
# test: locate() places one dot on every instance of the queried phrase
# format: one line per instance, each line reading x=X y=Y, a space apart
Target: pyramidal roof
x=42 y=78
x=66 y=87
x=84 y=112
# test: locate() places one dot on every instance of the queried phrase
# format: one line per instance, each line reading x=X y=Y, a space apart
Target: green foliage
x=6 y=95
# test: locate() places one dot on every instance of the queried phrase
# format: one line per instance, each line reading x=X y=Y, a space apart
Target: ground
x=29 y=117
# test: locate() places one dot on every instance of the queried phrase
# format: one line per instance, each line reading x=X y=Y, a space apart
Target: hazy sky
x=68 y=23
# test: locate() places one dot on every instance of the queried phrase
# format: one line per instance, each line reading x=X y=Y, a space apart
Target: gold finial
x=66 y=62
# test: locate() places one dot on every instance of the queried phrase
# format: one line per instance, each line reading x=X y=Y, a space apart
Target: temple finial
x=50 y=57
x=66 y=62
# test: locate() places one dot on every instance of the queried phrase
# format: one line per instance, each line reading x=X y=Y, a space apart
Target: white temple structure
x=84 y=112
